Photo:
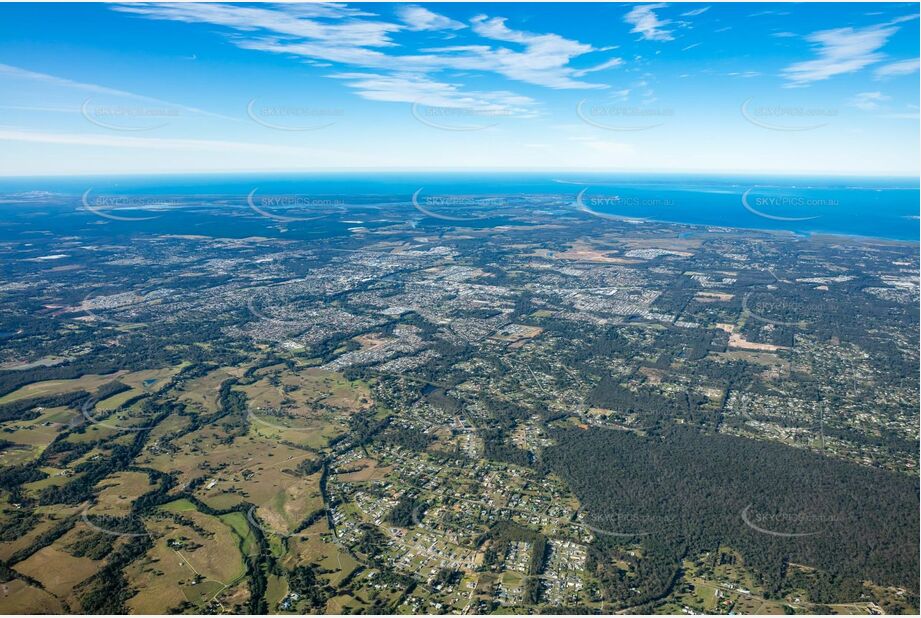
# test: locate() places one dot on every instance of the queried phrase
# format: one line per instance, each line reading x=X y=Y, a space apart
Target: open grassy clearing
x=311 y=431
x=152 y=380
x=34 y=435
x=202 y=393
x=172 y=424
x=57 y=570
x=308 y=407
x=117 y=493
x=178 y=506
x=315 y=545
x=276 y=589
x=91 y=432
x=289 y=506
x=240 y=526
x=145 y=381
x=18 y=597
x=88 y=383
x=251 y=468
x=309 y=387
x=116 y=401
x=195 y=556
x=56 y=477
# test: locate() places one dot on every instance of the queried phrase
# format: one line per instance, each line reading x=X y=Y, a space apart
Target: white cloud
x=420 y=18
x=325 y=9
x=763 y=13
x=608 y=64
x=42 y=108
x=902 y=67
x=840 y=51
x=544 y=59
x=869 y=101
x=9 y=71
x=417 y=88
x=291 y=20
x=349 y=38
x=647 y=23
x=14 y=134
x=695 y=12
x=13 y=73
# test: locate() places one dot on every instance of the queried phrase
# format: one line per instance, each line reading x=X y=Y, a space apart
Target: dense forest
x=685 y=492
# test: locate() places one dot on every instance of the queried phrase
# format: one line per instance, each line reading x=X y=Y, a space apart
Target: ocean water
x=872 y=207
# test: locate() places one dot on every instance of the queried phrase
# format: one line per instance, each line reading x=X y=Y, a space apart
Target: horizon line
x=534 y=170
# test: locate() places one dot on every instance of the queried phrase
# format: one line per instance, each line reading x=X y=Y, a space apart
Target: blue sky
x=709 y=87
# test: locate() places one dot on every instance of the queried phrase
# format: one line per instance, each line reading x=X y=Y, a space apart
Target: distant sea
x=872 y=207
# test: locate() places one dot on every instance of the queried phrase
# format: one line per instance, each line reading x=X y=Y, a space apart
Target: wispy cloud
x=15 y=134
x=763 y=13
x=901 y=67
x=42 y=108
x=363 y=46
x=420 y=18
x=346 y=28
x=543 y=62
x=417 y=88
x=9 y=71
x=646 y=23
x=608 y=64
x=869 y=101
x=16 y=73
x=840 y=51
x=696 y=12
